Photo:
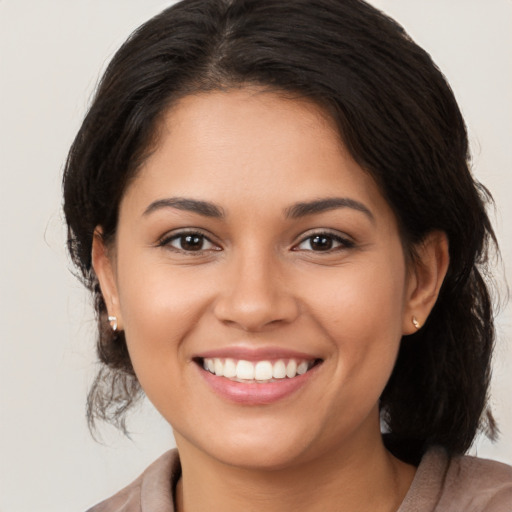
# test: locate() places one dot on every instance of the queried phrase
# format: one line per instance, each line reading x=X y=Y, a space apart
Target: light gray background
x=51 y=54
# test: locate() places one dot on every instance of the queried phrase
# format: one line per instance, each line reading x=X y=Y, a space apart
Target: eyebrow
x=191 y=205
x=322 y=205
x=295 y=211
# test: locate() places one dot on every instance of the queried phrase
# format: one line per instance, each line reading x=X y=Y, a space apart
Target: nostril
x=255 y=303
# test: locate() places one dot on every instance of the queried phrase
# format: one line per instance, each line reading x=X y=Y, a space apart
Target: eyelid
x=345 y=241
x=166 y=239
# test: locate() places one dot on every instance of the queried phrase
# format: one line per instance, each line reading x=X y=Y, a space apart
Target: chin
x=262 y=458
x=265 y=449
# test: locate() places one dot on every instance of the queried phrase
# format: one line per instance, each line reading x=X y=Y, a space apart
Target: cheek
x=159 y=307
x=361 y=312
x=361 y=297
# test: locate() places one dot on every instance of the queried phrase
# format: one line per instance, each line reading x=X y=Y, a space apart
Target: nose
x=255 y=294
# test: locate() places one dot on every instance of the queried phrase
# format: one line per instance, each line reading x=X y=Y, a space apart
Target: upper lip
x=255 y=354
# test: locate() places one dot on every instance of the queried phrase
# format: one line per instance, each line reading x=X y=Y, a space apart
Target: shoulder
x=479 y=484
x=461 y=483
x=152 y=490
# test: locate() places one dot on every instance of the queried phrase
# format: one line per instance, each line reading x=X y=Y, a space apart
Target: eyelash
x=167 y=242
x=343 y=243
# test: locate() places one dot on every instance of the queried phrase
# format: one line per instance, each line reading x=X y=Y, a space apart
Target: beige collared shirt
x=441 y=484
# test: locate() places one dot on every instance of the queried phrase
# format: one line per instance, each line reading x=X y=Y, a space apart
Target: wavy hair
x=399 y=119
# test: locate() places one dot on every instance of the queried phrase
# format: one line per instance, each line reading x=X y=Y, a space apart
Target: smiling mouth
x=262 y=372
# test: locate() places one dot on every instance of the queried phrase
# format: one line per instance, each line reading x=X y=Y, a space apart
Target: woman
x=271 y=203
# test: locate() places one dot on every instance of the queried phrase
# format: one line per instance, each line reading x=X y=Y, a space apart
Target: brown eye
x=188 y=242
x=324 y=242
x=321 y=243
x=191 y=242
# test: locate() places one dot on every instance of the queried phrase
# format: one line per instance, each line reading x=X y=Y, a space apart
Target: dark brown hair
x=397 y=116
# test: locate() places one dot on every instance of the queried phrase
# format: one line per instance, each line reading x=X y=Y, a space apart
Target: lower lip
x=254 y=393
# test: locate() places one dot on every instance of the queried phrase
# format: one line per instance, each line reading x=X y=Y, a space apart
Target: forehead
x=251 y=145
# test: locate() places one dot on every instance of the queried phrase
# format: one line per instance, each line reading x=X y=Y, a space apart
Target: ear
x=104 y=268
x=426 y=274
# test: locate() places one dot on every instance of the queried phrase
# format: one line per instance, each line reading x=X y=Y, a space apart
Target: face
x=252 y=244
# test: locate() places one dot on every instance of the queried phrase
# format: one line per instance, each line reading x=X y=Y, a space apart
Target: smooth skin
x=259 y=271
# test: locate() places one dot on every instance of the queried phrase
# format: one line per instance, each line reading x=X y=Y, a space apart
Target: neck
x=339 y=480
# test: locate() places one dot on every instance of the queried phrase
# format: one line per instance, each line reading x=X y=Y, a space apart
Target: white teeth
x=244 y=370
x=219 y=367
x=279 y=370
x=261 y=371
x=229 y=368
x=301 y=369
x=291 y=369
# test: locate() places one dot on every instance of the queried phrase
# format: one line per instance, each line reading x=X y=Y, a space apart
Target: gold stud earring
x=113 y=322
x=415 y=322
